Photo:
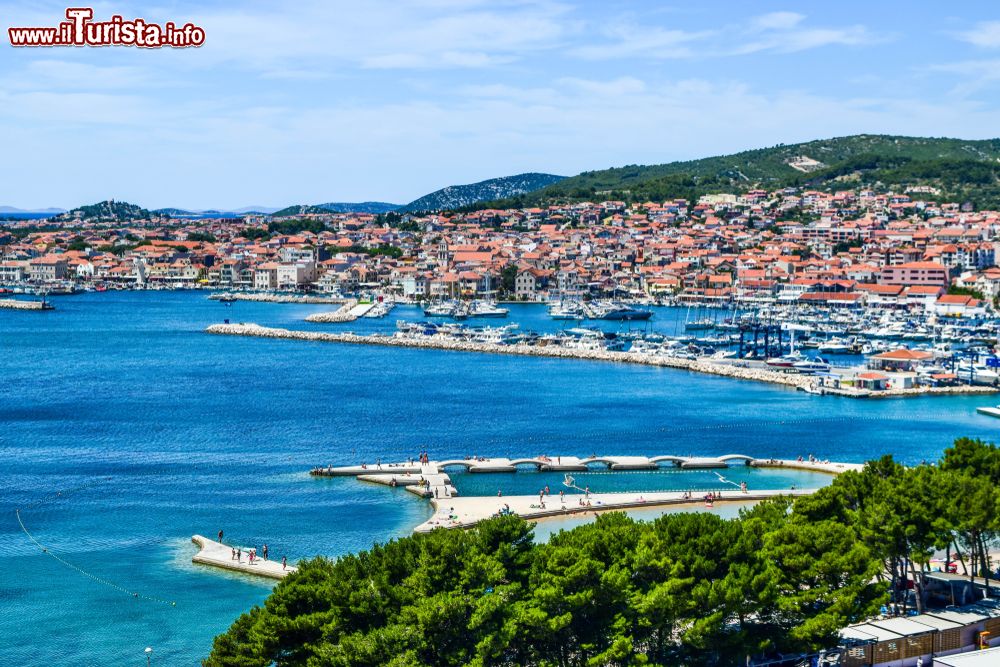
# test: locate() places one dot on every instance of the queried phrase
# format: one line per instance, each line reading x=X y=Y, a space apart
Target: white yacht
x=835 y=346
x=487 y=309
x=810 y=366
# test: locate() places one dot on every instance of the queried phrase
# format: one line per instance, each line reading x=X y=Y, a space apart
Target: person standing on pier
x=284 y=562
x=220 y=536
x=264 y=551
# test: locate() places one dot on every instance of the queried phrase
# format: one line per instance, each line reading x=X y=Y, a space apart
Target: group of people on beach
x=237 y=554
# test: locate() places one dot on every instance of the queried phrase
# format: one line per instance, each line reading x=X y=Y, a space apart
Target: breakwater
x=277 y=298
x=739 y=370
x=350 y=311
x=702 y=366
x=343 y=314
x=18 y=304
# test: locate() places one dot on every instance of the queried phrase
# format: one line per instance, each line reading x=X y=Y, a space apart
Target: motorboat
x=835 y=346
x=785 y=361
x=810 y=366
x=977 y=374
x=989 y=411
x=570 y=310
x=486 y=309
x=615 y=311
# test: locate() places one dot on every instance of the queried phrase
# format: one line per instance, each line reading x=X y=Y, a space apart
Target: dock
x=20 y=304
x=265 y=297
x=220 y=555
x=430 y=480
x=739 y=370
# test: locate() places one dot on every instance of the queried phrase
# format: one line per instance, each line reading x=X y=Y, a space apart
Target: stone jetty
x=20 y=304
x=220 y=555
x=278 y=298
x=350 y=311
x=736 y=369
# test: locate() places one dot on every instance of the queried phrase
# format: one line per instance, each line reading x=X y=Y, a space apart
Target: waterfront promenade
x=740 y=370
x=220 y=555
x=430 y=480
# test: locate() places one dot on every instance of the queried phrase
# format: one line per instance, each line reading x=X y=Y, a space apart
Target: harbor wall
x=726 y=369
x=18 y=304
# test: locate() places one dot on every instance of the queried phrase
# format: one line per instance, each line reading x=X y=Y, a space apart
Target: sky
x=319 y=101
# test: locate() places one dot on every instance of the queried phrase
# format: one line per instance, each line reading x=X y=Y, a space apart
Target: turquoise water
x=171 y=432
x=546 y=528
x=529 y=483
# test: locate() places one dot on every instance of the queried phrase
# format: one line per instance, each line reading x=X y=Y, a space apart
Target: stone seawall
x=727 y=370
x=342 y=314
x=277 y=298
x=18 y=304
x=730 y=370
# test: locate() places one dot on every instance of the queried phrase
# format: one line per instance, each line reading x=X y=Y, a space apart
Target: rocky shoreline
x=730 y=370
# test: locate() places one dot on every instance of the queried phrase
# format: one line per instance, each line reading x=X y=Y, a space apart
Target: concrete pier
x=20 y=304
x=220 y=555
x=429 y=480
x=465 y=512
x=731 y=369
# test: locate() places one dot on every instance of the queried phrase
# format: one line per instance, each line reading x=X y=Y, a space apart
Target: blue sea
x=126 y=430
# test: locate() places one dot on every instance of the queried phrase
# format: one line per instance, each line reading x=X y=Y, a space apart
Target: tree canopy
x=686 y=589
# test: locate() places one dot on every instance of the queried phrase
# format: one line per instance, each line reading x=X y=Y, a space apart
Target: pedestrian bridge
x=543 y=464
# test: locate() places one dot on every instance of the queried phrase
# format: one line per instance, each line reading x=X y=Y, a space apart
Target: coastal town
x=846 y=249
x=907 y=281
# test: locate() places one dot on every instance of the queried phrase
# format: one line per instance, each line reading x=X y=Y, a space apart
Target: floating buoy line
x=73 y=566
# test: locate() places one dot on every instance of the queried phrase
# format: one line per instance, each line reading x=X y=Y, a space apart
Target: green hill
x=458 y=196
x=107 y=211
x=820 y=163
x=300 y=209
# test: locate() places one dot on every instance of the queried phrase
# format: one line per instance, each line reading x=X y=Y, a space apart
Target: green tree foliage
x=296 y=226
x=201 y=237
x=384 y=249
x=687 y=589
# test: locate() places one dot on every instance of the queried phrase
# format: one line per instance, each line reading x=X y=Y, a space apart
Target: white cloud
x=779 y=32
x=777 y=21
x=632 y=40
x=382 y=34
x=985 y=34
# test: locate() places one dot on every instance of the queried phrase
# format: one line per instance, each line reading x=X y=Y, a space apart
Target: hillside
x=360 y=207
x=106 y=211
x=457 y=196
x=299 y=209
x=819 y=163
